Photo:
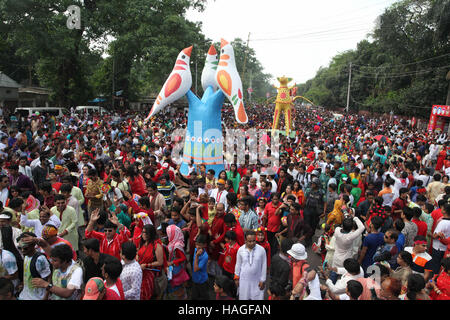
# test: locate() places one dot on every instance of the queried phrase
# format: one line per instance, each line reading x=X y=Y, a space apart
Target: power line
x=343 y=13
x=327 y=32
x=404 y=64
x=397 y=75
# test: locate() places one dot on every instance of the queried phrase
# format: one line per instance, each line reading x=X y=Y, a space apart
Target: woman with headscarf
x=336 y=216
x=177 y=260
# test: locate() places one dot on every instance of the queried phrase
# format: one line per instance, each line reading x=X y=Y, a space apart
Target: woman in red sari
x=441 y=158
x=136 y=181
x=261 y=239
x=440 y=287
x=151 y=258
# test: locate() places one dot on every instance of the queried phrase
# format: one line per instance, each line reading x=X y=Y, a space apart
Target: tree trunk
x=447 y=102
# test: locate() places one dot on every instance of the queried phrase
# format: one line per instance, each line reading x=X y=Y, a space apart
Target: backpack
x=33 y=270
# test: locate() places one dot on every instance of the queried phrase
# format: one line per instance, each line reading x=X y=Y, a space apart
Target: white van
x=91 y=110
x=29 y=111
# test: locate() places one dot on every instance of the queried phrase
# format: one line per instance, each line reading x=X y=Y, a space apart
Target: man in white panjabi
x=251 y=269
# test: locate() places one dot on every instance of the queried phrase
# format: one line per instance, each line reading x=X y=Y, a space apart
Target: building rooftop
x=7 y=82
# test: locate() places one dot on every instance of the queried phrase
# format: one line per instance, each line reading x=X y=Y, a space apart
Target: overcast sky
x=292 y=37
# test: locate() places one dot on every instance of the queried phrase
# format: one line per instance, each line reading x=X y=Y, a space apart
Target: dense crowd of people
x=95 y=208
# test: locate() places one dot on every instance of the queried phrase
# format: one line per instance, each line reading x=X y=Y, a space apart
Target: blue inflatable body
x=203 y=142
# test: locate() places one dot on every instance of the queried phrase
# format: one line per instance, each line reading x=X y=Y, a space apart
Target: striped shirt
x=421 y=261
x=167 y=191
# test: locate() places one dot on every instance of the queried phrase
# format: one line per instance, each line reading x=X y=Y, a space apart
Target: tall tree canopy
x=402 y=68
x=122 y=45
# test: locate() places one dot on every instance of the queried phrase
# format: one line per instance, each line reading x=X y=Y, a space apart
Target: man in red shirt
x=217 y=229
x=194 y=229
x=110 y=241
x=437 y=214
x=399 y=204
x=421 y=225
x=273 y=219
x=164 y=169
x=232 y=224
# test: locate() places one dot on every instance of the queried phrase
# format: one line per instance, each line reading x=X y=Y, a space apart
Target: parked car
x=29 y=111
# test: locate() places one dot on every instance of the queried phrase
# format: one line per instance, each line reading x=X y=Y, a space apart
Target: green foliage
x=128 y=45
x=402 y=67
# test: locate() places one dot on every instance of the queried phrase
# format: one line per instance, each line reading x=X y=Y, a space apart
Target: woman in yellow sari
x=336 y=216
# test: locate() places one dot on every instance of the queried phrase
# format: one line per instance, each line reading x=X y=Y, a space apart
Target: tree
x=402 y=68
x=66 y=60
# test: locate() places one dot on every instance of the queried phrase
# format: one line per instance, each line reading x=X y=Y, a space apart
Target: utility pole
x=113 y=81
x=348 y=90
x=245 y=57
x=250 y=93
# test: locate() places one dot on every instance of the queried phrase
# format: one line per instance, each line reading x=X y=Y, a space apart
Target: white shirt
x=220 y=196
x=37 y=225
x=251 y=267
x=4 y=196
x=314 y=289
x=293 y=173
x=26 y=171
x=131 y=278
x=43 y=268
x=75 y=281
x=8 y=265
x=256 y=175
x=444 y=227
x=341 y=285
x=344 y=243
x=274 y=186
x=73 y=202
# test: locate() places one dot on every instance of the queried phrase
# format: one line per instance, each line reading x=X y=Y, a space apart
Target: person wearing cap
x=302 y=275
x=219 y=193
x=5 y=221
x=355 y=192
x=95 y=289
x=251 y=269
